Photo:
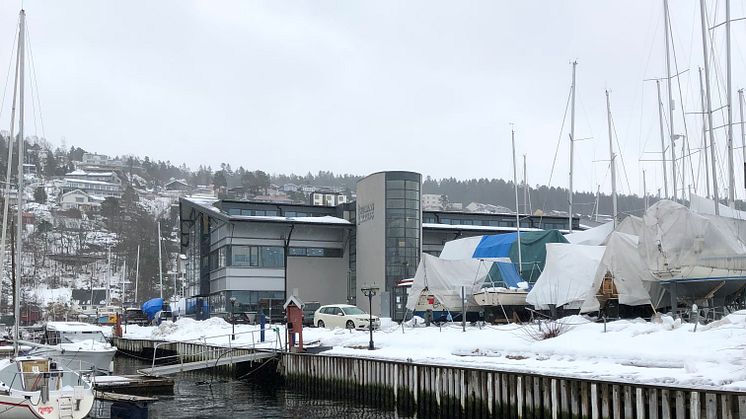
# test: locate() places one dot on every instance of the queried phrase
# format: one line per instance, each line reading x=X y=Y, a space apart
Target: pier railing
x=231 y=350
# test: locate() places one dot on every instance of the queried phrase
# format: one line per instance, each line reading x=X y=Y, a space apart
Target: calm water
x=200 y=395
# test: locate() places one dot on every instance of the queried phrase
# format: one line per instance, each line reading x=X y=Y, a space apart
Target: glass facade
x=403 y=234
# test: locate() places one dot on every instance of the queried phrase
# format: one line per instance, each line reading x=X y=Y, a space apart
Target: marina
x=433 y=282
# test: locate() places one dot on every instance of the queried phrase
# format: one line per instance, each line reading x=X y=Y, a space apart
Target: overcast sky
x=353 y=86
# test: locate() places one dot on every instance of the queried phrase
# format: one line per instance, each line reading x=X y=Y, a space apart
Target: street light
x=370 y=292
x=233 y=317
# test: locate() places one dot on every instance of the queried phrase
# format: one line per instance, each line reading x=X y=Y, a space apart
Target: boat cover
x=504 y=272
x=633 y=280
x=444 y=278
x=151 y=307
x=533 y=251
x=569 y=274
x=595 y=236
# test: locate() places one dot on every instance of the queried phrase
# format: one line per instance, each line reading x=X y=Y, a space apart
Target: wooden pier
x=450 y=391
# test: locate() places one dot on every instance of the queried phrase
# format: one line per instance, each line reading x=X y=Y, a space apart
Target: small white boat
x=34 y=387
x=76 y=345
x=501 y=296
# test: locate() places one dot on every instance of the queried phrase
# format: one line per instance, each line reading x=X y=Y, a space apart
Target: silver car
x=343 y=316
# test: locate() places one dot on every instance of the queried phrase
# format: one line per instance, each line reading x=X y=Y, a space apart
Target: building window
x=272 y=257
x=245 y=256
x=221 y=257
x=297 y=251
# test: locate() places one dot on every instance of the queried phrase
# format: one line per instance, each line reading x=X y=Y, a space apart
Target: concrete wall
x=321 y=279
x=371 y=236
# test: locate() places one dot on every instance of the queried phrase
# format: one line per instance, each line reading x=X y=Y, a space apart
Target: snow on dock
x=668 y=352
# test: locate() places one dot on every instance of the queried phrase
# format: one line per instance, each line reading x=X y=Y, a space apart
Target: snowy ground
x=664 y=353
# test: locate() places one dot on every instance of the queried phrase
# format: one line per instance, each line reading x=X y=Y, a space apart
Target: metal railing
x=202 y=340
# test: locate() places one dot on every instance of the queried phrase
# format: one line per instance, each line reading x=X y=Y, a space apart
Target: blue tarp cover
x=151 y=307
x=509 y=274
x=495 y=246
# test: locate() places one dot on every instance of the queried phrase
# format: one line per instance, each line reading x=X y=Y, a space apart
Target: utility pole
x=667 y=27
x=612 y=156
x=160 y=263
x=713 y=162
x=572 y=144
x=663 y=139
x=704 y=131
x=729 y=107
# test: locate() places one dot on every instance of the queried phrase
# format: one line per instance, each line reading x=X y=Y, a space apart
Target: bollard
x=262 y=323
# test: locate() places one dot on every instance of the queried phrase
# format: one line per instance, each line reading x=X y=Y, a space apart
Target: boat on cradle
x=34 y=387
x=76 y=345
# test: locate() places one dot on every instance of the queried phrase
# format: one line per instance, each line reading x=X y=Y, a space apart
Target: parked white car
x=343 y=316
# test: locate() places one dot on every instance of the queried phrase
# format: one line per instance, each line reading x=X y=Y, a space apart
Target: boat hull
x=16 y=406
x=102 y=360
x=505 y=298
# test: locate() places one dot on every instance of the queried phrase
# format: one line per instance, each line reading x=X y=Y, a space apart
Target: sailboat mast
x=8 y=173
x=644 y=191
x=663 y=139
x=667 y=27
x=743 y=134
x=713 y=164
x=517 y=213
x=137 y=271
x=612 y=157
x=160 y=263
x=704 y=131
x=19 y=215
x=572 y=145
x=729 y=108
x=108 y=279
x=526 y=198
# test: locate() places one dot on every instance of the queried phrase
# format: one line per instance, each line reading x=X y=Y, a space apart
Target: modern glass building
x=260 y=253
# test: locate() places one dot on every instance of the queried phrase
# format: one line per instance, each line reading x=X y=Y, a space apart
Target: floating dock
x=133 y=384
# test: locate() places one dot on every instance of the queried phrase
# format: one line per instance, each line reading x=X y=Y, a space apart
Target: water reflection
x=201 y=395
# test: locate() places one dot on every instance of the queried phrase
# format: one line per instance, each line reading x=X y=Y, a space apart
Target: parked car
x=343 y=316
x=308 y=311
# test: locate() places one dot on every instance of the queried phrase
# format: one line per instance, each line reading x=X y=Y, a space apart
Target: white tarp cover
x=460 y=248
x=673 y=238
x=632 y=278
x=595 y=236
x=444 y=279
x=702 y=205
x=569 y=273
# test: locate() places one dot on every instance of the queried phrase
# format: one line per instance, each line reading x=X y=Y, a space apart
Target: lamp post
x=370 y=292
x=233 y=317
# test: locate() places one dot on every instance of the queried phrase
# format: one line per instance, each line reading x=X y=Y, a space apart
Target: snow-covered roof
x=327 y=219
x=91 y=182
x=476 y=228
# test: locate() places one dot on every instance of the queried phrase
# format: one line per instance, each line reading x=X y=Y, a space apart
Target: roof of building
x=92 y=182
x=207 y=204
